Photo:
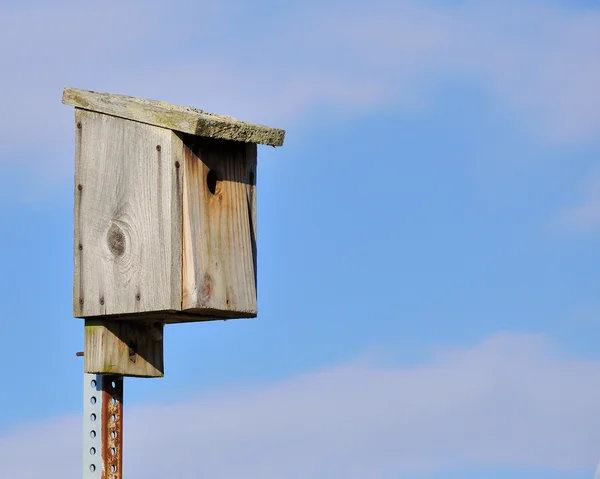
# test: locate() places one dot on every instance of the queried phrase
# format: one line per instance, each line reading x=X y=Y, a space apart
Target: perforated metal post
x=102 y=427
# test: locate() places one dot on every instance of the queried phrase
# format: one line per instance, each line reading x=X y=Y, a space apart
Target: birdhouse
x=165 y=212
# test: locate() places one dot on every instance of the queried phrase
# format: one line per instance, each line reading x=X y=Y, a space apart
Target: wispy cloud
x=512 y=400
x=584 y=215
x=539 y=63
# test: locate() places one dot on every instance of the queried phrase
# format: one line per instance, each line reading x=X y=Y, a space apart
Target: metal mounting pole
x=102 y=426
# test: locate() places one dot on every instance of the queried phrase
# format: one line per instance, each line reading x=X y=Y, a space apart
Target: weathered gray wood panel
x=219 y=228
x=128 y=191
x=123 y=347
x=179 y=118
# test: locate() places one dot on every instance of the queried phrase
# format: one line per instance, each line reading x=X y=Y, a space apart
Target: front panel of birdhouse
x=165 y=222
x=219 y=227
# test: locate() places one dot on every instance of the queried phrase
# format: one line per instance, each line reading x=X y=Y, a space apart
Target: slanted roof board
x=178 y=118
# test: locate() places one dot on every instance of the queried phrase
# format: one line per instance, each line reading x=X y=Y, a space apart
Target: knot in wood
x=116 y=240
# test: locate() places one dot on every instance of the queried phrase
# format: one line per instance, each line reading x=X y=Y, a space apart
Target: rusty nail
x=132 y=353
x=79 y=125
x=137 y=297
x=102 y=300
x=81 y=301
x=177 y=165
x=79 y=187
x=157 y=147
x=80 y=246
x=79 y=354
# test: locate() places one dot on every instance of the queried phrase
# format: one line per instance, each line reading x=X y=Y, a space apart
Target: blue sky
x=428 y=260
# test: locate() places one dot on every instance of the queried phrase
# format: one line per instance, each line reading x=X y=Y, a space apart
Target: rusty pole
x=103 y=427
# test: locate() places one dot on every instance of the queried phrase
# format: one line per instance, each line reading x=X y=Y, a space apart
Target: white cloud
x=512 y=400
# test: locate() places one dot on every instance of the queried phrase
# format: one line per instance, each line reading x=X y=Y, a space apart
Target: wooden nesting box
x=165 y=210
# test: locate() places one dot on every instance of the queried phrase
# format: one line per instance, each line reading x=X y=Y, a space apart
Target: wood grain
x=178 y=118
x=127 y=348
x=219 y=228
x=128 y=212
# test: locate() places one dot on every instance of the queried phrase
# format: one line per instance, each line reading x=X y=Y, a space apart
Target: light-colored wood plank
x=127 y=348
x=178 y=118
x=128 y=191
x=219 y=228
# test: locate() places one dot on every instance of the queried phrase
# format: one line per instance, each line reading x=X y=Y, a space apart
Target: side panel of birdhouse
x=219 y=228
x=128 y=214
